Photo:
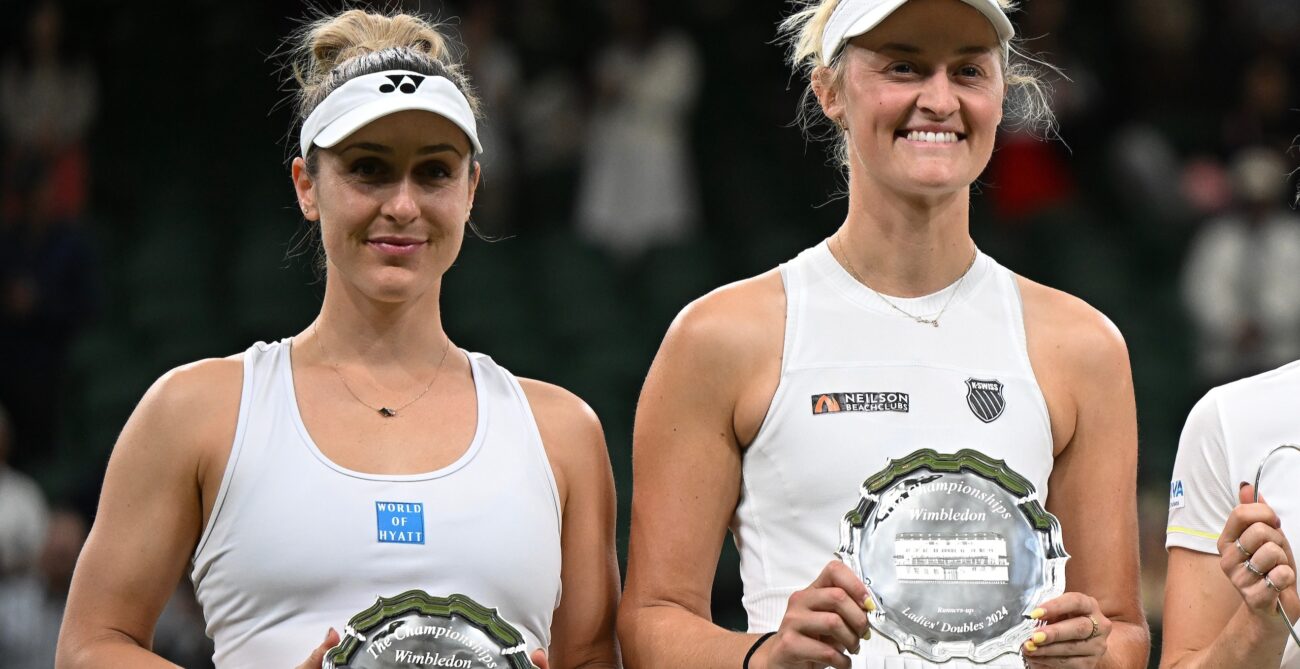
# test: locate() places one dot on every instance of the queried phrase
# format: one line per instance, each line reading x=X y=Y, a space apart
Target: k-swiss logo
x=985 y=399
x=406 y=83
x=870 y=402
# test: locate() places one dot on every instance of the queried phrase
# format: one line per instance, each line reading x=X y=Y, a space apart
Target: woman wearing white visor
x=367 y=455
x=905 y=337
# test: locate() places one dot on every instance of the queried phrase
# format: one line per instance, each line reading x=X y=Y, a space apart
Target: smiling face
x=392 y=200
x=921 y=96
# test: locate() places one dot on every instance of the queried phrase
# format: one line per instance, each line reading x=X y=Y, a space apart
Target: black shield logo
x=985 y=399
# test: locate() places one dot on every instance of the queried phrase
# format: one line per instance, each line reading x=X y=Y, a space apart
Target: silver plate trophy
x=415 y=629
x=957 y=551
x=1259 y=473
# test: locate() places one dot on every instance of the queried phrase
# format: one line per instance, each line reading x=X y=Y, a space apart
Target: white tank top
x=892 y=386
x=297 y=544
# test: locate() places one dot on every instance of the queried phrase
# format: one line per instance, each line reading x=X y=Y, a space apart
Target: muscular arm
x=582 y=630
x=1082 y=365
x=687 y=466
x=149 y=518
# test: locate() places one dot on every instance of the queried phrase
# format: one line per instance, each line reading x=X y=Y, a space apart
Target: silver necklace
x=382 y=410
x=932 y=322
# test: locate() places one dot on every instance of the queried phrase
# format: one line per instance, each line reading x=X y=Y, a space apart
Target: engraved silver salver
x=415 y=629
x=957 y=551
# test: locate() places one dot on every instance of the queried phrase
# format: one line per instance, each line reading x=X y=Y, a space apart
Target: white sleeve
x=1201 y=495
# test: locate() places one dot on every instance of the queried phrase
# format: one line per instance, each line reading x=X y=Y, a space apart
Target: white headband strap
x=363 y=99
x=851 y=18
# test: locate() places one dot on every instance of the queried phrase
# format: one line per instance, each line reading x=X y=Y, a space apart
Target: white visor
x=370 y=96
x=855 y=17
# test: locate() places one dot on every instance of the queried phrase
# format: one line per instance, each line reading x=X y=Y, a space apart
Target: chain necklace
x=382 y=410
x=933 y=322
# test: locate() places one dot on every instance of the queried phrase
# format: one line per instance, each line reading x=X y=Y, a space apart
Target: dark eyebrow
x=438 y=148
x=380 y=148
x=366 y=146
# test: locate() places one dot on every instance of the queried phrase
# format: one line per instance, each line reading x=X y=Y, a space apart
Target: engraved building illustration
x=939 y=557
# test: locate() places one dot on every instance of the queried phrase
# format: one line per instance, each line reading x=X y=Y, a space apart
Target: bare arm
x=705 y=395
x=1217 y=614
x=582 y=630
x=149 y=518
x=686 y=466
x=1082 y=364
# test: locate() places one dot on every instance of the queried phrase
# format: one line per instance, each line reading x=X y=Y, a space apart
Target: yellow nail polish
x=1037 y=613
x=868 y=604
x=866 y=636
x=1038 y=637
x=1030 y=647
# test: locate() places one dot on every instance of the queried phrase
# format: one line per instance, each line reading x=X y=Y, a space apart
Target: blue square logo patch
x=400 y=522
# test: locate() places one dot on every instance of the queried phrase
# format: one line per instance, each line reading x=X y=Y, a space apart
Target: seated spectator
x=31 y=605
x=1239 y=278
x=23 y=512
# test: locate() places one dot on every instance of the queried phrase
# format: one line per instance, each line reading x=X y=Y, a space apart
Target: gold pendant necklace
x=932 y=322
x=382 y=410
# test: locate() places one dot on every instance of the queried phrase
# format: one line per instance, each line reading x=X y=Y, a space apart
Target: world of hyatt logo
x=399 y=522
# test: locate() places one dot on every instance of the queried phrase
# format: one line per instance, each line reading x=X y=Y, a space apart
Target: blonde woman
x=269 y=476
x=898 y=302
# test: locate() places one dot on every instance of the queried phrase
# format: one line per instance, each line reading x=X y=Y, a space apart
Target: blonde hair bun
x=330 y=50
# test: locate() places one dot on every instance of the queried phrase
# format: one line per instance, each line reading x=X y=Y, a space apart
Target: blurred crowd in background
x=638 y=154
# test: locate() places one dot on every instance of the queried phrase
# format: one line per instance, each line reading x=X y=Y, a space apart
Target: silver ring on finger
x=1268 y=581
x=1241 y=548
x=1250 y=566
x=1095 y=632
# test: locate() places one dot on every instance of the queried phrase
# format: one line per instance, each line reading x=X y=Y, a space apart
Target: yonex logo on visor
x=406 y=83
x=363 y=99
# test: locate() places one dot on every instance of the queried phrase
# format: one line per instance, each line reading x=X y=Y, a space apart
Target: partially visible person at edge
x=897 y=299
x=1229 y=559
x=260 y=473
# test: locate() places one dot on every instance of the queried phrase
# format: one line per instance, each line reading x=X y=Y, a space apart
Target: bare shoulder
x=560 y=413
x=194 y=381
x=571 y=434
x=733 y=325
x=196 y=391
x=1068 y=331
x=720 y=362
x=1080 y=361
x=192 y=406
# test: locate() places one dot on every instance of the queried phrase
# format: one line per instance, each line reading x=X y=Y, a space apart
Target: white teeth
x=932 y=137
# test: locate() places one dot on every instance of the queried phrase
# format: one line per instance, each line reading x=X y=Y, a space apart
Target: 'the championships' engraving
x=468 y=643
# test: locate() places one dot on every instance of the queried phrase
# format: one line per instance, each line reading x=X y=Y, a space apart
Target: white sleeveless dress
x=860 y=384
